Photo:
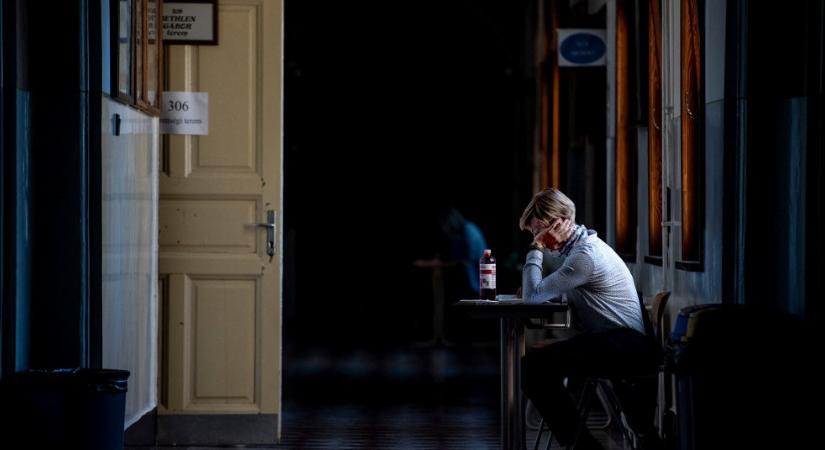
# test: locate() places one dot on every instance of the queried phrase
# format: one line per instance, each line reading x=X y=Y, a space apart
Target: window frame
x=655 y=119
x=626 y=120
x=138 y=58
x=692 y=105
x=115 y=12
x=143 y=101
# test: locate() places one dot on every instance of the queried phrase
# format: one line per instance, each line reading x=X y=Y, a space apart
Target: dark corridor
x=394 y=110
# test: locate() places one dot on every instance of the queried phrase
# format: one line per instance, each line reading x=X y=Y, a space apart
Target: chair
x=665 y=420
x=606 y=391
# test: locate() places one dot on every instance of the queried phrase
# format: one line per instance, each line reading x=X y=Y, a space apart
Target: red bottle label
x=488 y=276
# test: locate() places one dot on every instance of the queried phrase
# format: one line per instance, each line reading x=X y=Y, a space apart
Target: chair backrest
x=649 y=331
x=658 y=310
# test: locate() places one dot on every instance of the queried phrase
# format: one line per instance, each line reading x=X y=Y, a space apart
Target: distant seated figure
x=464 y=244
x=458 y=245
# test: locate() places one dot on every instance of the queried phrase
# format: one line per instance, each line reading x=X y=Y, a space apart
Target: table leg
x=438 y=306
x=512 y=401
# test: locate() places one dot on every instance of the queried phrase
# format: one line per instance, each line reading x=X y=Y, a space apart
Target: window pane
x=139 y=74
x=153 y=53
x=626 y=147
x=654 y=130
x=692 y=142
x=124 y=65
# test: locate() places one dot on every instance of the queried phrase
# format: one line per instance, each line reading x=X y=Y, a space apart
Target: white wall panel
x=130 y=279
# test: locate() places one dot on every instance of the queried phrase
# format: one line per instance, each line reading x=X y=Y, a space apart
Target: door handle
x=270 y=232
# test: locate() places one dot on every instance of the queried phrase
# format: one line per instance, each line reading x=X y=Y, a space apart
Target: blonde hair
x=546 y=206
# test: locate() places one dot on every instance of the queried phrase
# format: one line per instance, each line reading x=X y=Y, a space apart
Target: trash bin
x=66 y=408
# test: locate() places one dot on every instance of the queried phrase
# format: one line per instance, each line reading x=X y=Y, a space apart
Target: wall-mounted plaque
x=190 y=22
x=582 y=47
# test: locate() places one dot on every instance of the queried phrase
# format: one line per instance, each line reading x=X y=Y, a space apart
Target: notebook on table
x=500 y=299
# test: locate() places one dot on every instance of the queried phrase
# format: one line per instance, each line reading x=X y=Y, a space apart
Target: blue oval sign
x=582 y=48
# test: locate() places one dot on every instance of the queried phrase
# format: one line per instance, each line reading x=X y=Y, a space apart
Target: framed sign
x=192 y=22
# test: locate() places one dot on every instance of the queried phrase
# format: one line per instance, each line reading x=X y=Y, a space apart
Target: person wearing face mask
x=600 y=291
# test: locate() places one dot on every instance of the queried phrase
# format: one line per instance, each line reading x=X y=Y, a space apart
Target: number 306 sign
x=185 y=113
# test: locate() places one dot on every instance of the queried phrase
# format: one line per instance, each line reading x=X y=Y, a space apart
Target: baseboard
x=203 y=429
x=221 y=429
x=142 y=433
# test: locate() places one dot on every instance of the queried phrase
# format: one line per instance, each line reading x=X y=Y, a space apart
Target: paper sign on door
x=185 y=113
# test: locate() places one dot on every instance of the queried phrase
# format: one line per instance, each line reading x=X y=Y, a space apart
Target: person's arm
x=575 y=271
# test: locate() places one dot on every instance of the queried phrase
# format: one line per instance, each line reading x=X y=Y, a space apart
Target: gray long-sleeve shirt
x=596 y=282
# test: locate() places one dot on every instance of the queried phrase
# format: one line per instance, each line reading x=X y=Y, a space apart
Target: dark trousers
x=613 y=354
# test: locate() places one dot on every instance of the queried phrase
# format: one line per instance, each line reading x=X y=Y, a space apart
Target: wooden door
x=221 y=290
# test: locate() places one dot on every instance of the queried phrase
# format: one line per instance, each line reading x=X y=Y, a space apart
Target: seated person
x=601 y=292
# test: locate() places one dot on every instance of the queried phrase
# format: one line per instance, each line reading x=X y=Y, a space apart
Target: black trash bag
x=744 y=379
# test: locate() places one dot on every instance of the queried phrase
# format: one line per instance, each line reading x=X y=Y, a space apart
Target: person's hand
x=561 y=230
x=539 y=240
x=555 y=235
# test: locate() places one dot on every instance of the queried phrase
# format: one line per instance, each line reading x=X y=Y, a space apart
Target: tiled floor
x=409 y=398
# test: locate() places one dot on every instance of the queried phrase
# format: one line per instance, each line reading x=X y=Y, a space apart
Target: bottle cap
x=487 y=251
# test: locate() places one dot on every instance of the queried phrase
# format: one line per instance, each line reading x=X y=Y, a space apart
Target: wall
x=16 y=341
x=50 y=181
x=46 y=178
x=129 y=216
x=706 y=287
x=689 y=288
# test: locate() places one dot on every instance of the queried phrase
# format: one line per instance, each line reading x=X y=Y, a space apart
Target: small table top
x=509 y=309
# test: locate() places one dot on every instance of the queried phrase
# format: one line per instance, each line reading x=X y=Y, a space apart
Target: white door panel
x=222 y=304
